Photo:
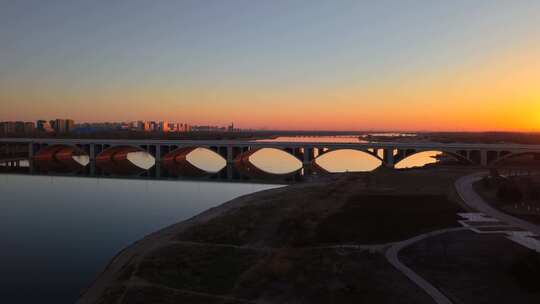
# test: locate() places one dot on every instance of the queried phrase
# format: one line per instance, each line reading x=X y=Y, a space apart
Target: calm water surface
x=58 y=233
x=345 y=160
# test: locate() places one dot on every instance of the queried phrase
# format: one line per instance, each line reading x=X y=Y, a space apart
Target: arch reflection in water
x=207 y=160
x=60 y=158
x=125 y=160
x=275 y=161
x=141 y=159
x=421 y=159
x=83 y=160
x=347 y=160
x=193 y=161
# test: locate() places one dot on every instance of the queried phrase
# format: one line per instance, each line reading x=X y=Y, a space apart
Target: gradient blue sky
x=275 y=64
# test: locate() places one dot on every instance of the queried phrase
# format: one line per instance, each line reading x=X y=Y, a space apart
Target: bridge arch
x=371 y=152
x=403 y=155
x=122 y=160
x=244 y=163
x=371 y=160
x=178 y=162
x=60 y=158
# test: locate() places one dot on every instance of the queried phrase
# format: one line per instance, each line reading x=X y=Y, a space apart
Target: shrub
x=509 y=193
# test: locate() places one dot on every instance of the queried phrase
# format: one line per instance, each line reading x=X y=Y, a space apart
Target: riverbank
x=287 y=244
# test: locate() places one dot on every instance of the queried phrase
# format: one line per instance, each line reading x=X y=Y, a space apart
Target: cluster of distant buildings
x=62 y=126
x=142 y=126
x=153 y=126
x=229 y=128
x=162 y=126
x=28 y=127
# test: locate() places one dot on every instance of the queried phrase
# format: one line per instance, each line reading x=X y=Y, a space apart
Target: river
x=59 y=232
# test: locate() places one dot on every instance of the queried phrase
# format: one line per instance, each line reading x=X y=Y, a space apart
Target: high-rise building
x=164 y=126
x=40 y=125
x=63 y=125
x=5 y=127
x=16 y=127
x=146 y=126
x=184 y=127
x=134 y=126
x=44 y=126
x=70 y=125
x=153 y=126
x=60 y=126
x=140 y=125
x=29 y=127
x=19 y=127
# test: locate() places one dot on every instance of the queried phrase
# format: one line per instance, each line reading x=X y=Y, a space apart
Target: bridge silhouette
x=112 y=155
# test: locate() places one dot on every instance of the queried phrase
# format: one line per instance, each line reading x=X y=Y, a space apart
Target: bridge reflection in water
x=238 y=160
x=199 y=164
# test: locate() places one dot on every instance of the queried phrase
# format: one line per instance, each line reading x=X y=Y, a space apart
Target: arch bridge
x=172 y=153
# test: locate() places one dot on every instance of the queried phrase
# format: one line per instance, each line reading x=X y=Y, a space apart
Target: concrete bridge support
x=229 y=157
x=484 y=155
x=92 y=158
x=31 y=158
x=308 y=159
x=157 y=157
x=483 y=158
x=308 y=155
x=388 y=158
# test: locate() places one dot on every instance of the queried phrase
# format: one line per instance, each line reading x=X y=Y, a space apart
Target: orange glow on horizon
x=499 y=93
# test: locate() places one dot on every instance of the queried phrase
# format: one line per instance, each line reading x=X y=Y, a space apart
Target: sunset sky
x=334 y=65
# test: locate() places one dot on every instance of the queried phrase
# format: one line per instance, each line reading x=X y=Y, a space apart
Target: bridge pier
x=157 y=158
x=307 y=169
x=309 y=155
x=483 y=158
x=307 y=162
x=229 y=157
x=388 y=158
x=31 y=158
x=228 y=153
x=230 y=171
x=92 y=158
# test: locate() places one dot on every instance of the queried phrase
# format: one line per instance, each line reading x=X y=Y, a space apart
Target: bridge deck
x=282 y=144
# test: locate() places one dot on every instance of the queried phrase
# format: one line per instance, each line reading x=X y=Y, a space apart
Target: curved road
x=464 y=187
x=392 y=255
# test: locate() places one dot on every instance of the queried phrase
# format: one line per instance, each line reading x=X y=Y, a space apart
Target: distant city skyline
x=413 y=65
